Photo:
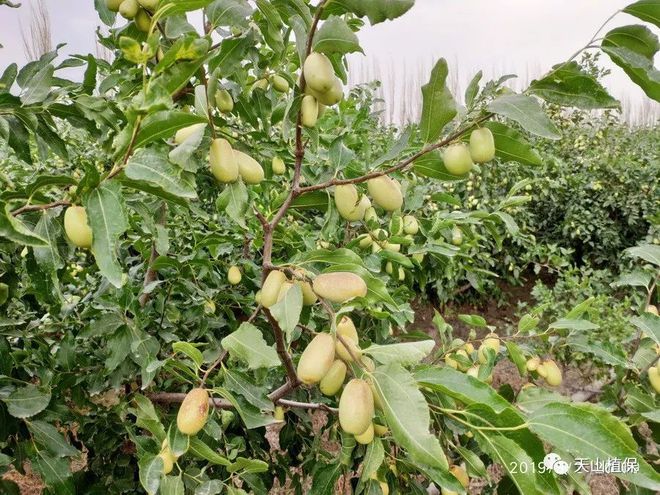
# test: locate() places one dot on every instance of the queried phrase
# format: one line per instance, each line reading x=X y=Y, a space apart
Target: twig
x=150 y=275
x=217 y=362
x=285 y=357
x=47 y=206
x=176 y=398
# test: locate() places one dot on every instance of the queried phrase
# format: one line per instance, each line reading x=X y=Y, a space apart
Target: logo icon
x=553 y=461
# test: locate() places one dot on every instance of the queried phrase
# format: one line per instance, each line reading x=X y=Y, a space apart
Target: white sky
x=499 y=36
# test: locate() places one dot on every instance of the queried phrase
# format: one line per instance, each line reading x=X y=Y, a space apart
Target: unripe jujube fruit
x=249 y=168
x=333 y=380
x=309 y=111
x=317 y=358
x=654 y=378
x=456 y=236
x=410 y=225
x=339 y=287
x=381 y=430
x=271 y=288
x=167 y=456
x=349 y=204
x=491 y=341
x=356 y=407
x=457 y=159
x=76 y=226
x=234 y=275
x=142 y=21
x=260 y=84
x=222 y=158
x=184 y=133
x=319 y=73
x=309 y=297
x=150 y=5
x=333 y=96
x=113 y=5
x=367 y=437
x=461 y=475
x=129 y=9
x=279 y=413
x=541 y=370
x=194 y=412
x=482 y=145
x=279 y=83
x=224 y=101
x=277 y=166
x=386 y=192
x=653 y=309
x=346 y=330
x=4 y=293
x=553 y=373
x=533 y=363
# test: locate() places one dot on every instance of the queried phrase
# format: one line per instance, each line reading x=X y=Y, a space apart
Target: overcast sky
x=500 y=36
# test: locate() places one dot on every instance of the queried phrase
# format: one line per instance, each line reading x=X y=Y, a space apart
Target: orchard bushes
x=226 y=246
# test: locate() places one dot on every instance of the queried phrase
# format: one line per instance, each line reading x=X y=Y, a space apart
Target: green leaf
x=647 y=252
x=407 y=415
x=633 y=48
x=164 y=124
x=325 y=478
x=38 y=86
x=335 y=36
x=438 y=107
x=646 y=10
x=605 y=351
x=153 y=167
x=527 y=112
x=473 y=320
x=270 y=28
x=244 y=465
x=202 y=451
x=532 y=398
x=376 y=10
x=240 y=383
x=48 y=258
x=15 y=230
x=406 y=353
x=189 y=350
x=47 y=435
x=178 y=442
x=528 y=323
x=248 y=344
x=315 y=200
x=228 y=13
x=431 y=165
x=571 y=324
x=171 y=485
x=348 y=445
x=55 y=473
x=234 y=201
x=649 y=324
x=151 y=469
x=287 y=311
x=587 y=431
x=373 y=459
x=570 y=86
x=107 y=218
x=251 y=416
x=475 y=466
x=517 y=357
x=27 y=401
x=232 y=52
x=173 y=7
x=511 y=146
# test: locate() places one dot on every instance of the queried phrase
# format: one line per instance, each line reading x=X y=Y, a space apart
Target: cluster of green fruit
x=322 y=88
x=547 y=369
x=137 y=11
x=459 y=158
x=467 y=360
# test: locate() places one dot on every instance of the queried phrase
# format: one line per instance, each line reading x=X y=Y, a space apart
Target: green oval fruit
x=279 y=413
x=319 y=73
x=541 y=370
x=395 y=248
x=129 y=9
x=491 y=341
x=317 y=358
x=271 y=288
x=277 y=166
x=261 y=84
x=461 y=475
x=194 y=412
x=457 y=159
x=234 y=275
x=356 y=407
x=368 y=364
x=309 y=111
x=333 y=380
x=183 y=134
x=456 y=236
x=654 y=378
x=346 y=329
x=533 y=363
x=386 y=192
x=370 y=215
x=150 y=5
x=309 y=297
x=333 y=96
x=279 y=83
x=367 y=437
x=142 y=21
x=410 y=225
x=77 y=227
x=249 y=169
x=553 y=373
x=224 y=101
x=4 y=293
x=113 y=5
x=339 y=287
x=168 y=461
x=402 y=274
x=381 y=430
x=389 y=268
x=222 y=158
x=349 y=204
x=653 y=309
x=482 y=145
x=365 y=241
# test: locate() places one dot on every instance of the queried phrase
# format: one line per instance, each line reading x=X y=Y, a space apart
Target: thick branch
x=399 y=166
x=47 y=206
x=285 y=357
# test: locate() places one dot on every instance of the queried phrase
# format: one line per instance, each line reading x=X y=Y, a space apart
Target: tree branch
x=399 y=166
x=177 y=398
x=285 y=357
x=47 y=206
